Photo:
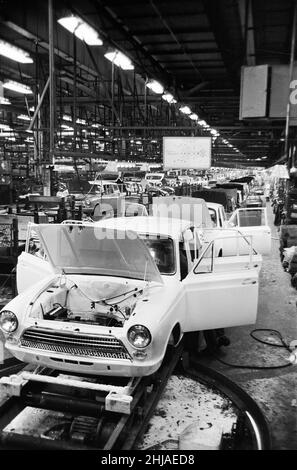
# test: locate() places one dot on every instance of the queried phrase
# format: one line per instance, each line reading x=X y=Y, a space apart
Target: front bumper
x=85 y=365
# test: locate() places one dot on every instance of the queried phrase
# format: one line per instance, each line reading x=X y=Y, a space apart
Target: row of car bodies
x=109 y=298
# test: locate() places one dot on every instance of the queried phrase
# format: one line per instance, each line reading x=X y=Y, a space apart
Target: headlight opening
x=139 y=336
x=8 y=321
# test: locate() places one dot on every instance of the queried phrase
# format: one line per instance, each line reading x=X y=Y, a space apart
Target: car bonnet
x=89 y=249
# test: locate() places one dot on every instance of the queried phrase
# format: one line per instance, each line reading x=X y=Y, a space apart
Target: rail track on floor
x=89 y=424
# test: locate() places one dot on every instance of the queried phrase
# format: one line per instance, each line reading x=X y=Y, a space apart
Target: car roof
x=213 y=205
x=150 y=224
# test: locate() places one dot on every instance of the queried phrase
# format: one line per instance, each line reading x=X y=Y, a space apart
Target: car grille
x=101 y=346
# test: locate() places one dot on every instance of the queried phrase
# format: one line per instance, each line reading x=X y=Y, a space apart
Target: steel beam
x=247 y=27
x=51 y=77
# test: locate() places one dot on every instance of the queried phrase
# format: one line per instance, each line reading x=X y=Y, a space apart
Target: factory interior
x=148 y=227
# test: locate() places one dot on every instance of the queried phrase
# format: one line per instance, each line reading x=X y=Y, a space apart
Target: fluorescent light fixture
x=14 y=53
x=96 y=126
x=4 y=100
x=24 y=117
x=81 y=30
x=5 y=127
x=64 y=126
x=17 y=87
x=66 y=117
x=194 y=117
x=67 y=133
x=214 y=132
x=185 y=110
x=81 y=121
x=169 y=98
x=119 y=59
x=32 y=109
x=155 y=86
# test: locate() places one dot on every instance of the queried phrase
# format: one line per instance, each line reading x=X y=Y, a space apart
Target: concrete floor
x=274 y=390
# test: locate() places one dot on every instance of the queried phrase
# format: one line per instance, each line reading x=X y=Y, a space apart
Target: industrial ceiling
x=194 y=48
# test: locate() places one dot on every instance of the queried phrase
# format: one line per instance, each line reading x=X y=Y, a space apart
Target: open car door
x=32 y=265
x=222 y=292
x=253 y=222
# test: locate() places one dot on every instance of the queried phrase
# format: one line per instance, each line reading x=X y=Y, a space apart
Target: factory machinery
x=106 y=414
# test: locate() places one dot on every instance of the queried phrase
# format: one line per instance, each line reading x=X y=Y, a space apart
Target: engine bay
x=88 y=300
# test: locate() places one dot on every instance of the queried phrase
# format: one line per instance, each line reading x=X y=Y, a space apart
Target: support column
x=287 y=129
x=47 y=172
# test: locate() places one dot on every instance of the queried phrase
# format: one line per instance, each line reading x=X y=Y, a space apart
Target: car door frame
x=29 y=264
x=263 y=229
x=239 y=278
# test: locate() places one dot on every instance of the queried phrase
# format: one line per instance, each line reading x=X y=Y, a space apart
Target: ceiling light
x=119 y=59
x=169 y=98
x=5 y=134
x=194 y=117
x=32 y=109
x=155 y=86
x=4 y=100
x=81 y=121
x=24 y=117
x=67 y=133
x=81 y=30
x=5 y=127
x=66 y=117
x=14 y=53
x=17 y=87
x=96 y=126
x=185 y=110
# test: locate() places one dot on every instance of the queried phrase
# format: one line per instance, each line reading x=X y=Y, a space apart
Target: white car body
x=155 y=179
x=199 y=212
x=68 y=318
x=251 y=222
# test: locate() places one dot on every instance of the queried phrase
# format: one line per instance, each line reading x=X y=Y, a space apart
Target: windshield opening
x=90 y=249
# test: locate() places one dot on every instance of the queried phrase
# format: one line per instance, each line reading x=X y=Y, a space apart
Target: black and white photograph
x=148 y=229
